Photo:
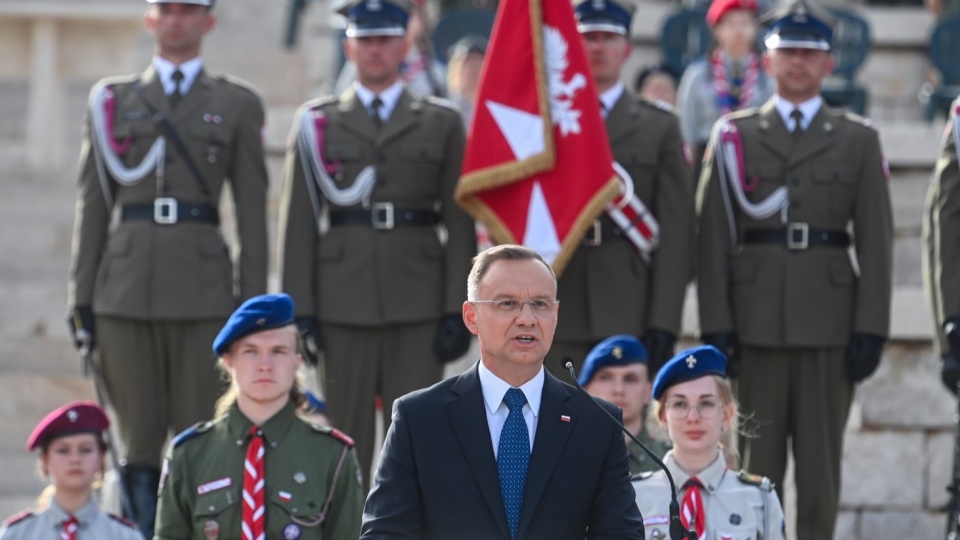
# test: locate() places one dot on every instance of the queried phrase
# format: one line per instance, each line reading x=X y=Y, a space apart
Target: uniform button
x=273 y=444
x=294 y=510
x=212 y=508
x=239 y=442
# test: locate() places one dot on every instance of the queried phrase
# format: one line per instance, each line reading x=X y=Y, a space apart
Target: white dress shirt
x=609 y=98
x=388 y=97
x=809 y=108
x=165 y=69
x=494 y=389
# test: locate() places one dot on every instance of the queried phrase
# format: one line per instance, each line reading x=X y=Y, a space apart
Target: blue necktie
x=513 y=456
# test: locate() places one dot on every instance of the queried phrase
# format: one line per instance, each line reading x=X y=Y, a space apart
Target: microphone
x=676 y=528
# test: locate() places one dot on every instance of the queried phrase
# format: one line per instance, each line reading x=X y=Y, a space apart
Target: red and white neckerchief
x=69 y=530
x=253 y=488
x=721 y=83
x=692 y=511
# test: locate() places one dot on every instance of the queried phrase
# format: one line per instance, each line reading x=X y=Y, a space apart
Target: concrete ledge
x=71 y=9
x=911 y=144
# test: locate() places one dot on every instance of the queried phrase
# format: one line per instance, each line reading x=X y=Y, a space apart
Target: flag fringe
x=593 y=209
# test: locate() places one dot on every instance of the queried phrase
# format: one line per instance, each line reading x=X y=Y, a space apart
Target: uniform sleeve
x=942 y=236
x=393 y=508
x=92 y=218
x=614 y=512
x=248 y=176
x=713 y=249
x=674 y=208
x=346 y=510
x=174 y=512
x=686 y=105
x=776 y=522
x=298 y=239
x=873 y=231
x=461 y=235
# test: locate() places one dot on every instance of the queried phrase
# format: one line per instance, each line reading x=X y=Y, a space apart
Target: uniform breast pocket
x=834 y=184
x=734 y=534
x=295 y=514
x=217 y=514
x=212 y=142
x=762 y=180
x=133 y=138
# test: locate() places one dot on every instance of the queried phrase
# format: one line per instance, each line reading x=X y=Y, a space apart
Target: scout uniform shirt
x=305 y=464
x=92 y=524
x=738 y=506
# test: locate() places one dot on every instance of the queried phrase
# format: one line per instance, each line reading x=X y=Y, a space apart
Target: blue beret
x=367 y=18
x=618 y=350
x=799 y=25
x=603 y=16
x=689 y=365
x=264 y=312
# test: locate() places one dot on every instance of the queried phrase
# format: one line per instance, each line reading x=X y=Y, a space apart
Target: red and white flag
x=537 y=168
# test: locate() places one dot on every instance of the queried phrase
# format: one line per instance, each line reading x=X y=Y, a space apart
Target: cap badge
x=617 y=353
x=72 y=415
x=599 y=5
x=374 y=5
x=261 y=321
x=691 y=361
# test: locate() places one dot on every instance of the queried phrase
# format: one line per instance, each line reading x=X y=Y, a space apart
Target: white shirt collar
x=389 y=97
x=494 y=389
x=165 y=68
x=609 y=98
x=809 y=109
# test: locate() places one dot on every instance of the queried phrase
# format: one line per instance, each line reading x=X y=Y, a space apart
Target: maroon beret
x=719 y=8
x=72 y=418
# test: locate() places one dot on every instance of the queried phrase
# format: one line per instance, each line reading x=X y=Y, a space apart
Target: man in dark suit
x=611 y=285
x=505 y=450
x=378 y=290
x=782 y=187
x=151 y=280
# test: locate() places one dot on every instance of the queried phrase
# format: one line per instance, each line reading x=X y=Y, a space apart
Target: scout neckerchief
x=692 y=511
x=253 y=488
x=733 y=94
x=69 y=529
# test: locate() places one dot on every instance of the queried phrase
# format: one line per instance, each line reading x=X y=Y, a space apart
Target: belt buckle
x=594 y=236
x=381 y=216
x=798 y=236
x=165 y=210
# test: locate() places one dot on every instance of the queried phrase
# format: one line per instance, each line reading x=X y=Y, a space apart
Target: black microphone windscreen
x=566 y=361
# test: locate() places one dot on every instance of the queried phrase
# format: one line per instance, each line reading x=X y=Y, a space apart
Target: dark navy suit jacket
x=437 y=477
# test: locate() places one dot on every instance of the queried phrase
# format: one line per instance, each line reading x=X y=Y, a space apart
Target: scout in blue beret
x=616 y=371
x=799 y=24
x=368 y=18
x=695 y=405
x=261 y=434
x=604 y=16
x=72 y=450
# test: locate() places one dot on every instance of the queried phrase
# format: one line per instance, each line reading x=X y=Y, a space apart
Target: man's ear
x=470 y=316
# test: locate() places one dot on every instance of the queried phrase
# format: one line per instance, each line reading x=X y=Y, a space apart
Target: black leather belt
x=602 y=229
x=167 y=211
x=797 y=236
x=384 y=216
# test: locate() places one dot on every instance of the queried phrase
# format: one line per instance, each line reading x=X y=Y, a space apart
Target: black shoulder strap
x=171 y=131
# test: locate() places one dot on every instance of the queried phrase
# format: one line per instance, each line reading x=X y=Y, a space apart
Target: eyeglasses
x=511 y=307
x=707 y=409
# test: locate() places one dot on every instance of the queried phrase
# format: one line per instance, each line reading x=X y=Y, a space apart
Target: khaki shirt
x=305 y=464
x=48 y=524
x=738 y=506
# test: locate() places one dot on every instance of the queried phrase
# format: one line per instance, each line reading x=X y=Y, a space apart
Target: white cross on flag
x=537 y=168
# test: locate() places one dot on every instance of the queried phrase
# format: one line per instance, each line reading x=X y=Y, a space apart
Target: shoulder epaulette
x=761 y=482
x=442 y=102
x=657 y=104
x=333 y=432
x=123 y=520
x=319 y=102
x=237 y=82
x=191 y=432
x=18 y=517
x=743 y=113
x=856 y=118
x=646 y=475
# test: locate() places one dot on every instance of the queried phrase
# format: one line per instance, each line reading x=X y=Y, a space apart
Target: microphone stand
x=676 y=528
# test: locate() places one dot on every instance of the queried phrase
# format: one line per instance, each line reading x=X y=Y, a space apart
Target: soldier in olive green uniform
x=377 y=289
x=941 y=253
x=151 y=288
x=616 y=370
x=783 y=185
x=613 y=285
x=307 y=484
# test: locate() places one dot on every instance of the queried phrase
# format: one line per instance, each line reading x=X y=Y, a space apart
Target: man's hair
x=507 y=252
